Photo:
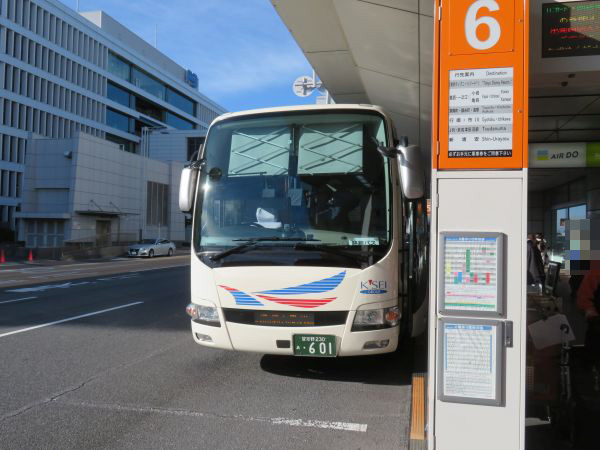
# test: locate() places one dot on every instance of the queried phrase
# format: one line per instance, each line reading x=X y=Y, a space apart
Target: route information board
x=471 y=367
x=472 y=279
x=480 y=114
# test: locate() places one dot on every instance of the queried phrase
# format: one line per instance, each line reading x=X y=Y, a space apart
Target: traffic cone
x=2 y=256
x=30 y=256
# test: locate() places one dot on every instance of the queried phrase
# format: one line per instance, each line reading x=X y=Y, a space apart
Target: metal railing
x=102 y=240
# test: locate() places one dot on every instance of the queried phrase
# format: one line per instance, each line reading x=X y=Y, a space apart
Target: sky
x=242 y=52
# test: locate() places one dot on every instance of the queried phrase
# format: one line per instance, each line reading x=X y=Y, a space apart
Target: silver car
x=151 y=248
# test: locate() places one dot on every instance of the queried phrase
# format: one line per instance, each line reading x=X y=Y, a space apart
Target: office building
x=63 y=74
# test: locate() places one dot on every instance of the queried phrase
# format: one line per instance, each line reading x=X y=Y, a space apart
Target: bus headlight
x=206 y=315
x=376 y=319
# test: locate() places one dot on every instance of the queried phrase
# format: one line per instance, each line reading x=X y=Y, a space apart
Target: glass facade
x=178 y=122
x=117 y=120
x=119 y=67
x=149 y=109
x=563 y=304
x=558 y=238
x=117 y=94
x=148 y=83
x=126 y=145
x=180 y=101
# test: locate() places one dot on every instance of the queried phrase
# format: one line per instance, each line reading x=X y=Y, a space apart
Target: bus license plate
x=314 y=345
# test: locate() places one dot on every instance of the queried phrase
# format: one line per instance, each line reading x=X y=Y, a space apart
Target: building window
x=117 y=120
x=124 y=144
x=149 y=109
x=148 y=83
x=177 y=122
x=118 y=94
x=181 y=102
x=193 y=143
x=44 y=233
x=119 y=67
x=157 y=204
x=575 y=212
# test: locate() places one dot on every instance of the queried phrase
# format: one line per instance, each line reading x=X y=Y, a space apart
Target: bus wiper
x=252 y=242
x=333 y=250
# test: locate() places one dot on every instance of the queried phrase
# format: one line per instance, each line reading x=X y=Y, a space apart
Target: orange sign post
x=481 y=85
x=476 y=370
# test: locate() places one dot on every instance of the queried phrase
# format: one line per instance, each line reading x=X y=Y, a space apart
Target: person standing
x=588 y=301
x=535 y=264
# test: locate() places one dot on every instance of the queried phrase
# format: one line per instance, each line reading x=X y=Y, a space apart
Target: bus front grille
x=285 y=318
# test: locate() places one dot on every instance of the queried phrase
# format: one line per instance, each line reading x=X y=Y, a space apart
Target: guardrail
x=101 y=240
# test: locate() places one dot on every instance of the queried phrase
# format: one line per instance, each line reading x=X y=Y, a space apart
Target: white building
x=86 y=190
x=62 y=73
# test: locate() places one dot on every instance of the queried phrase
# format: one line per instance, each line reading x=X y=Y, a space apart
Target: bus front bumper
x=279 y=340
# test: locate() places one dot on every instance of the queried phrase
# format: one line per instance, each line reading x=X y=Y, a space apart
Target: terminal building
x=69 y=77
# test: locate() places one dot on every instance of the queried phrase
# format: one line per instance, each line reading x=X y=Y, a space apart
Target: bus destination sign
x=571 y=29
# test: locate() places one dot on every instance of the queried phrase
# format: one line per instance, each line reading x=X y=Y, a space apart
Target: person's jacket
x=535 y=264
x=588 y=296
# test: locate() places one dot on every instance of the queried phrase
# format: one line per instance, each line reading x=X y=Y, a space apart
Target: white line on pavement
x=17 y=300
x=68 y=319
x=341 y=426
x=119 y=277
x=45 y=287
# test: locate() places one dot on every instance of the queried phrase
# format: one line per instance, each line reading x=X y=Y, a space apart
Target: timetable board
x=480 y=116
x=471 y=361
x=470 y=274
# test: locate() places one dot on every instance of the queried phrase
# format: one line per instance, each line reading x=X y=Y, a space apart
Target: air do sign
x=564 y=155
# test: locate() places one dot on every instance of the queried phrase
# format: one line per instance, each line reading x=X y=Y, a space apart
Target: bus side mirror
x=410 y=168
x=187 y=188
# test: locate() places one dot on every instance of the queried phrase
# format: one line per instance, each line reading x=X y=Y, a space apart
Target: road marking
x=343 y=426
x=340 y=426
x=68 y=319
x=45 y=287
x=48 y=274
x=17 y=300
x=161 y=268
x=119 y=277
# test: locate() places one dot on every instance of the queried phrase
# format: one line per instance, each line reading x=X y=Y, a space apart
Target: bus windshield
x=313 y=177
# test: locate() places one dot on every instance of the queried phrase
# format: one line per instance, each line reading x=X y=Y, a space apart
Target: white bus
x=309 y=233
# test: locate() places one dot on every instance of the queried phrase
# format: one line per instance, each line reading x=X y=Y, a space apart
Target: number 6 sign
x=487 y=25
x=472 y=23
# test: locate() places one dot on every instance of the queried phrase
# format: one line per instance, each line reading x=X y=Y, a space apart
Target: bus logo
x=373 y=287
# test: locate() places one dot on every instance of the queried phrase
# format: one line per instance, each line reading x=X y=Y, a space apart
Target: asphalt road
x=21 y=274
x=108 y=362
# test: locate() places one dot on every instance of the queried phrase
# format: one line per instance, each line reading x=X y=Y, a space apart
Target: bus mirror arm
x=410 y=167
x=187 y=185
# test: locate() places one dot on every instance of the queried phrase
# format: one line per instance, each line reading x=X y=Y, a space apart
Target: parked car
x=151 y=248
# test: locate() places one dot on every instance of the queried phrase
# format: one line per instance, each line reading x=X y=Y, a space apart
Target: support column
x=477 y=316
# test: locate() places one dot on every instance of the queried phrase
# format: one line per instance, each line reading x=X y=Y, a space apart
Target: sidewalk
x=63 y=262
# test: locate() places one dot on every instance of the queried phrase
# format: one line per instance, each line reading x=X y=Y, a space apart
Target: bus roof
x=301 y=108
